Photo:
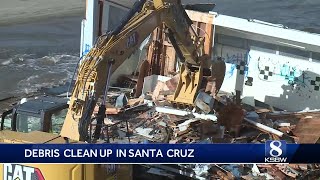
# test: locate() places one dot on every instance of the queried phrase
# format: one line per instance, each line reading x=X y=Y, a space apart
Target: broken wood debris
x=231 y=118
x=151 y=122
x=137 y=111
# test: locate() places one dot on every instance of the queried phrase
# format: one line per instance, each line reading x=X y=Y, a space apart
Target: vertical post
x=108 y=139
x=89 y=26
x=127 y=129
x=238 y=97
x=100 y=17
x=310 y=56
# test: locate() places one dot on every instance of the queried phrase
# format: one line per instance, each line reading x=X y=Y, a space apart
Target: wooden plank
x=143 y=72
x=200 y=16
x=170 y=59
x=208 y=39
x=204 y=28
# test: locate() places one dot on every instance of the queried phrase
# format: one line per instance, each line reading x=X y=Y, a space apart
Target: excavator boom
x=113 y=48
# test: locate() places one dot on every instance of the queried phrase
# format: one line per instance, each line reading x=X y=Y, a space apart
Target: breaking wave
x=33 y=73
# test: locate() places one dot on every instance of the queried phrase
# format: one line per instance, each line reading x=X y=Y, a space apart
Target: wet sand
x=19 y=11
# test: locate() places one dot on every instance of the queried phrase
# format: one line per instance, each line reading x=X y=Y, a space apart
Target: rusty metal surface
x=231 y=116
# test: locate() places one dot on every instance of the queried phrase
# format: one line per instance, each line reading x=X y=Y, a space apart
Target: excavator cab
x=44 y=114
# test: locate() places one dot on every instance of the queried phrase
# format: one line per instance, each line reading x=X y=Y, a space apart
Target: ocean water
x=38 y=54
x=297 y=14
x=45 y=53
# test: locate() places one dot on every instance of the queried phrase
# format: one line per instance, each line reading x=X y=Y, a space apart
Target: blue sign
x=276 y=151
x=86 y=49
x=271 y=152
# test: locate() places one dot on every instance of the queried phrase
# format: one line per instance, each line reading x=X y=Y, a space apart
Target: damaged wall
x=231 y=56
x=277 y=75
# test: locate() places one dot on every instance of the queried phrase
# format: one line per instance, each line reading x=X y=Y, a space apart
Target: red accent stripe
x=39 y=174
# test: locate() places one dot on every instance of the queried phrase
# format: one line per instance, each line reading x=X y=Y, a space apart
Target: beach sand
x=18 y=11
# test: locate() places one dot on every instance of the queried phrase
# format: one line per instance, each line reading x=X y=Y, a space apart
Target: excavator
x=113 y=48
x=92 y=81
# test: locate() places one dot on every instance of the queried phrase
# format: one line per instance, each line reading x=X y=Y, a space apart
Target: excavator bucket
x=188 y=87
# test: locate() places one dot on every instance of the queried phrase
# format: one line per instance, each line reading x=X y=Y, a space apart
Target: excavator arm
x=112 y=49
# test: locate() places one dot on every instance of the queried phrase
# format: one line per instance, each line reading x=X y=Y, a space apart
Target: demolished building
x=259 y=71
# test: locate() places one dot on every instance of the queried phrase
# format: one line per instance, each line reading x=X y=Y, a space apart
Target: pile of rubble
x=150 y=118
x=240 y=171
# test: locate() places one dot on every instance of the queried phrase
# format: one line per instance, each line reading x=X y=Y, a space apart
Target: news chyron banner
x=270 y=152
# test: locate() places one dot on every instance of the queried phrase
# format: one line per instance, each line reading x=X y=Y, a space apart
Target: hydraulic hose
x=74 y=73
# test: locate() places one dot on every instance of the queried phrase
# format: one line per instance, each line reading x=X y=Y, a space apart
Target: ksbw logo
x=275 y=152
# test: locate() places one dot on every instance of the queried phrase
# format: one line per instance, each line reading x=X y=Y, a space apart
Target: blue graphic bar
x=271 y=152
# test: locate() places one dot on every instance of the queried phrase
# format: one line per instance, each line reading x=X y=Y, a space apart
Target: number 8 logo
x=275 y=150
